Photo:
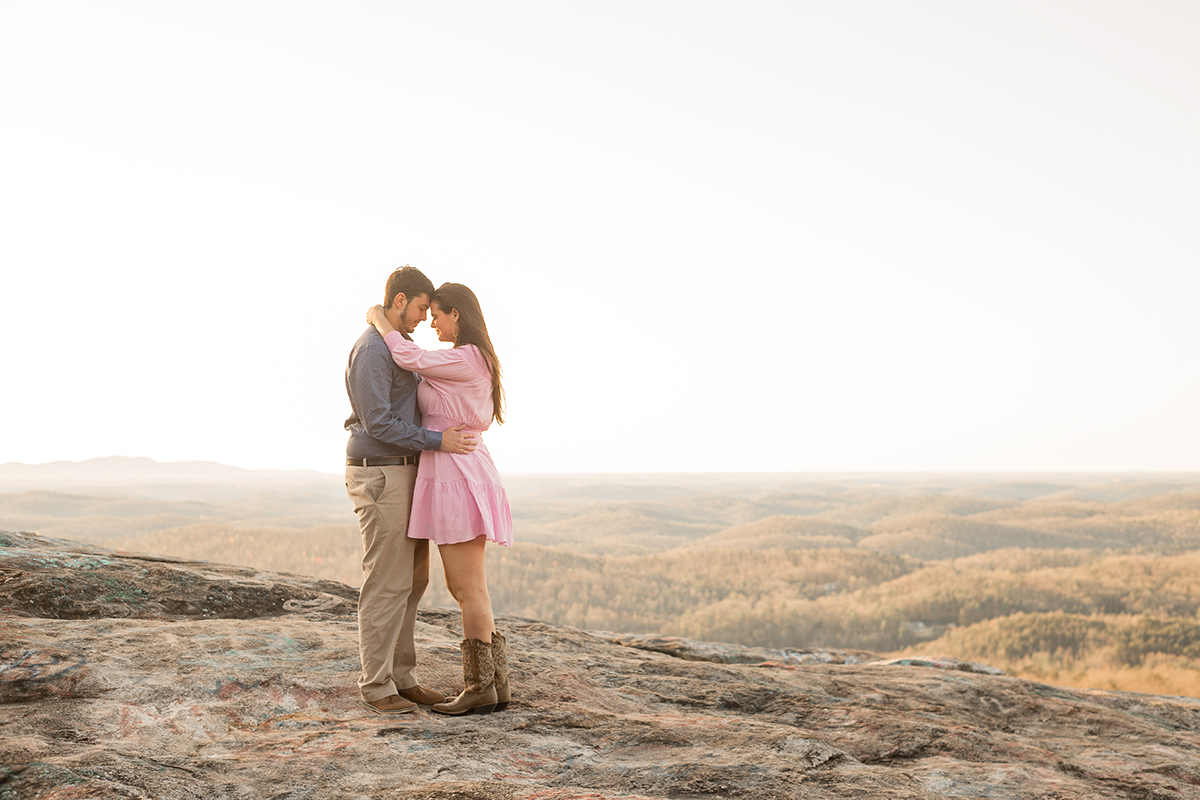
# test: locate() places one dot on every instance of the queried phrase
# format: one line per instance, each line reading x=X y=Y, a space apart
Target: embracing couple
x=418 y=471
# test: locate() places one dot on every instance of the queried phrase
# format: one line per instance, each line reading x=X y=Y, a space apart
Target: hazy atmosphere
x=851 y=444
x=767 y=236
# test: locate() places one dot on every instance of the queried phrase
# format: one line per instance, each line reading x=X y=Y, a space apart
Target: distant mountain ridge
x=125 y=469
x=202 y=481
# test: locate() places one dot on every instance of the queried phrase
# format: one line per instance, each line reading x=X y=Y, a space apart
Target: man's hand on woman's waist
x=456 y=440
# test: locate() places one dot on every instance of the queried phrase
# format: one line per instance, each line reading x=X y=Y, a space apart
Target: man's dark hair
x=408 y=281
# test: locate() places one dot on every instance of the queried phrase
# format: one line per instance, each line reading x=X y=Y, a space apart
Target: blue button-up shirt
x=384 y=417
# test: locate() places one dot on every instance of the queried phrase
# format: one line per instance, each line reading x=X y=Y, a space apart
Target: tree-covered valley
x=1085 y=580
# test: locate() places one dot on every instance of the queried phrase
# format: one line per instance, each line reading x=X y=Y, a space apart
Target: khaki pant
x=395 y=574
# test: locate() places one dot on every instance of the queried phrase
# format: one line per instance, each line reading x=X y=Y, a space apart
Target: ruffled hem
x=452 y=512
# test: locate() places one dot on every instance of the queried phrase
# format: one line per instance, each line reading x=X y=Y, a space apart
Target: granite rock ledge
x=133 y=675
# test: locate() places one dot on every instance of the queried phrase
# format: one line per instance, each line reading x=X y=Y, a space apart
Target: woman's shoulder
x=475 y=357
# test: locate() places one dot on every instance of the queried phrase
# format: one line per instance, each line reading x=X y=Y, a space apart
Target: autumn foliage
x=1088 y=582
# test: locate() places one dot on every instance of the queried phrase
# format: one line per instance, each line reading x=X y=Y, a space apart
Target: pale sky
x=752 y=236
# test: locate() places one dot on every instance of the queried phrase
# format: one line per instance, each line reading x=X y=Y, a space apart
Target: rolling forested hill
x=1084 y=580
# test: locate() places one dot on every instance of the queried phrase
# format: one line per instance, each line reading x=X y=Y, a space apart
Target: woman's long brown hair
x=472 y=329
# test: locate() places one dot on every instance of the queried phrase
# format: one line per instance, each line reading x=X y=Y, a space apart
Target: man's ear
x=399 y=301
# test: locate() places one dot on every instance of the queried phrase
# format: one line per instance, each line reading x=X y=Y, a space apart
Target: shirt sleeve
x=370 y=386
x=447 y=365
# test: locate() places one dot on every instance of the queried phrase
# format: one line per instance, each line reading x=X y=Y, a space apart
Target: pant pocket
x=375 y=484
x=365 y=485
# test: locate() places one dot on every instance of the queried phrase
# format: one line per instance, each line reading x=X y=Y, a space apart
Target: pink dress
x=457 y=497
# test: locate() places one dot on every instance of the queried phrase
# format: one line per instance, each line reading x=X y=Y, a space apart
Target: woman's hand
x=376 y=317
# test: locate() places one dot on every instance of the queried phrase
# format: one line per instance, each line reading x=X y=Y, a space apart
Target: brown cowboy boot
x=479 y=677
x=500 y=657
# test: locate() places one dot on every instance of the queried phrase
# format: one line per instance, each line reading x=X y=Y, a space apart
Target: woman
x=459 y=501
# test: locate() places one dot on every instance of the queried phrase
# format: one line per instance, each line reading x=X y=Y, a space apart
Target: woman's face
x=446 y=324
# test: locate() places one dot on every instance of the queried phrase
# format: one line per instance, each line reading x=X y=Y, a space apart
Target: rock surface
x=126 y=675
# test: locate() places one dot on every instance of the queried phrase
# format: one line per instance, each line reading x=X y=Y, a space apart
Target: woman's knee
x=472 y=595
x=462 y=588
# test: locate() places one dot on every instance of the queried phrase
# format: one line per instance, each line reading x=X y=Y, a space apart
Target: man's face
x=413 y=313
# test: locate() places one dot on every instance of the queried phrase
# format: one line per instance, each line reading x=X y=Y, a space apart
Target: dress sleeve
x=448 y=365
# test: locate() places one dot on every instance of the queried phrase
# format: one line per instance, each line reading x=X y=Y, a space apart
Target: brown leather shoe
x=421 y=695
x=392 y=704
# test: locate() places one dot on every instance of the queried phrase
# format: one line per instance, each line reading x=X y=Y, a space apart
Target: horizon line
x=915 y=472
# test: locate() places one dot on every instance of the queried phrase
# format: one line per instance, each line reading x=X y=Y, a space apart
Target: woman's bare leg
x=466 y=578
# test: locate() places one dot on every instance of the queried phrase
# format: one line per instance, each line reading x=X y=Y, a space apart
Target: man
x=386 y=440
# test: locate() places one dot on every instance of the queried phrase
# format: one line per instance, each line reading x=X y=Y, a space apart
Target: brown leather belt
x=390 y=461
